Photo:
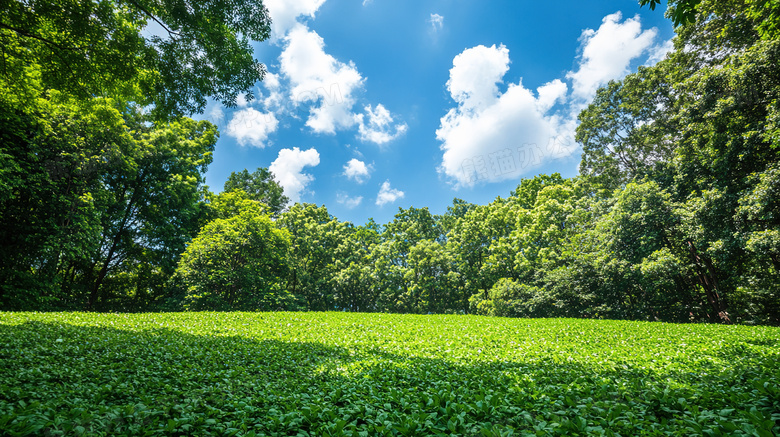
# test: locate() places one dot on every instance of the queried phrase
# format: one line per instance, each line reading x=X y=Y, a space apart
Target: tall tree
x=315 y=237
x=354 y=283
x=152 y=205
x=53 y=152
x=716 y=123
x=627 y=131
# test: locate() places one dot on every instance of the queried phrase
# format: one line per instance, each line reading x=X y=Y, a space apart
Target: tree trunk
x=706 y=275
x=775 y=261
x=95 y=293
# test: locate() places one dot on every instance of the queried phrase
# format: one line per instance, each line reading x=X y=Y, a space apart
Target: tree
x=648 y=255
x=354 y=283
x=260 y=186
x=764 y=14
x=100 y=198
x=469 y=242
x=237 y=263
x=509 y=298
x=710 y=109
x=681 y=11
x=432 y=279
x=315 y=237
x=98 y=203
x=455 y=212
x=627 y=132
x=98 y=48
x=52 y=153
x=408 y=227
x=152 y=205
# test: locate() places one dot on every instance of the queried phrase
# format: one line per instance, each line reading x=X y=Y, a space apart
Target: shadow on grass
x=60 y=379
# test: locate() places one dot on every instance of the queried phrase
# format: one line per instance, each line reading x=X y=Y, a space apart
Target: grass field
x=327 y=374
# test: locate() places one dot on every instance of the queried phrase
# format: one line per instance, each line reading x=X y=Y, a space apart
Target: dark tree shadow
x=60 y=379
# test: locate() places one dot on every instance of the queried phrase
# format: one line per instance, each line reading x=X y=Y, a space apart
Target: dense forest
x=675 y=215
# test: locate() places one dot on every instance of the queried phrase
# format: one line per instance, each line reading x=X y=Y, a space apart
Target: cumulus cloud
x=475 y=75
x=379 y=127
x=437 y=21
x=251 y=127
x=241 y=100
x=319 y=78
x=550 y=94
x=216 y=114
x=273 y=98
x=486 y=136
x=492 y=136
x=607 y=53
x=357 y=170
x=284 y=14
x=312 y=83
x=347 y=201
x=388 y=194
x=288 y=170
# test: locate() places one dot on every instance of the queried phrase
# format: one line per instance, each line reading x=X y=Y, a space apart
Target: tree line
x=675 y=215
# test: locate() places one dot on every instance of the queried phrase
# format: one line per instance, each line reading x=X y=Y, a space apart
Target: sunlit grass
x=381 y=374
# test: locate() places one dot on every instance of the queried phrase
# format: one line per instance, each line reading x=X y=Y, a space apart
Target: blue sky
x=372 y=105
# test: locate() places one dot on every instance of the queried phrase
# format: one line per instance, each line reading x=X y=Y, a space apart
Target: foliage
x=700 y=124
x=341 y=374
x=509 y=298
x=260 y=186
x=315 y=237
x=236 y=264
x=680 y=11
x=98 y=48
x=98 y=202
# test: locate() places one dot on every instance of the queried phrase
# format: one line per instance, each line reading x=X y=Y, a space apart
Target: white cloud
x=475 y=75
x=365 y=2
x=284 y=14
x=216 y=114
x=486 y=136
x=311 y=80
x=271 y=81
x=492 y=136
x=275 y=99
x=659 y=52
x=288 y=170
x=379 y=129
x=387 y=194
x=607 y=53
x=357 y=170
x=437 y=21
x=347 y=201
x=251 y=127
x=550 y=94
x=241 y=100
x=319 y=78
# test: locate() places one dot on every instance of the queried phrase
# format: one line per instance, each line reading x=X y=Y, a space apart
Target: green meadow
x=333 y=374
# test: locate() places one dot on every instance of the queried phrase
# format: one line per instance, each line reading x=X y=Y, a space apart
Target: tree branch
x=150 y=15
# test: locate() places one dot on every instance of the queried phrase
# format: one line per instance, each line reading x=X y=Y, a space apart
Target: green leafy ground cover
x=327 y=374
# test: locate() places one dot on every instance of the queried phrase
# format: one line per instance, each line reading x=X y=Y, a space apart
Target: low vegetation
x=327 y=374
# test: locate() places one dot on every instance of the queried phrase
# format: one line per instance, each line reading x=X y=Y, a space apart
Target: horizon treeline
x=675 y=215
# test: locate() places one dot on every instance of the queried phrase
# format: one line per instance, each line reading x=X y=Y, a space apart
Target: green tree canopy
x=90 y=48
x=237 y=263
x=261 y=186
